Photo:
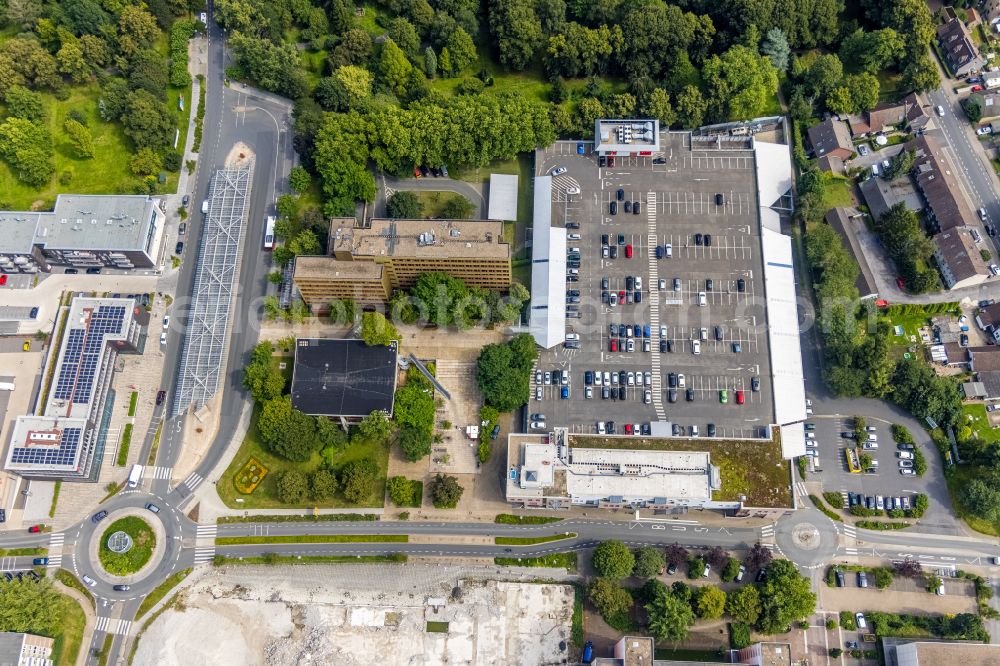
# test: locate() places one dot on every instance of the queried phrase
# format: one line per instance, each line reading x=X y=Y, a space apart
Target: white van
x=204 y=207
x=572 y=336
x=134 y=476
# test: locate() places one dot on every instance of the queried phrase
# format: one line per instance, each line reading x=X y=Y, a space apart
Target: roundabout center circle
x=126 y=546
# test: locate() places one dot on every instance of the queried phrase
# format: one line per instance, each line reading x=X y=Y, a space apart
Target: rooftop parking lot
x=694 y=319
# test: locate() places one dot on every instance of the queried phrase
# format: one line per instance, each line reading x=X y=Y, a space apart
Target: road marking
x=158 y=472
x=193 y=481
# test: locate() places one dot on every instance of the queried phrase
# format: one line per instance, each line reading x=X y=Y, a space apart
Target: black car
x=760 y=576
x=741 y=285
x=629 y=283
x=605 y=391
x=635 y=207
x=179 y=247
x=697 y=239
x=689 y=395
x=622 y=377
x=708 y=240
x=614 y=251
x=621 y=239
x=122 y=588
x=186 y=200
x=672 y=380
x=621 y=194
x=93 y=271
x=659 y=160
x=847 y=434
x=604 y=283
x=435 y=172
x=604 y=239
x=645 y=429
x=628 y=206
x=621 y=392
x=719 y=200
x=99 y=516
x=963 y=340
x=572 y=225
x=145 y=300
x=672 y=395
x=155 y=509
x=663 y=345
x=71 y=271
x=602 y=161
x=719 y=333
x=588 y=377
x=670 y=346
x=160 y=397
x=622 y=330
x=3 y=515
x=755 y=383
x=711 y=430
x=840 y=578
x=611 y=427
x=34 y=313
x=423 y=171
x=613 y=207
x=709 y=284
x=851 y=645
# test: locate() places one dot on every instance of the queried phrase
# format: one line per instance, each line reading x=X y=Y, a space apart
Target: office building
x=343 y=379
x=83 y=231
x=18 y=649
x=366 y=263
x=65 y=437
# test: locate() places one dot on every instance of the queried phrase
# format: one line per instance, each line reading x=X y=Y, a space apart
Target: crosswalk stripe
x=193 y=481
x=158 y=472
x=207 y=531
x=202 y=555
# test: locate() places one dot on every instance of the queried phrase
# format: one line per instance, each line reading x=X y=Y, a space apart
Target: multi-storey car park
x=64 y=439
x=663 y=289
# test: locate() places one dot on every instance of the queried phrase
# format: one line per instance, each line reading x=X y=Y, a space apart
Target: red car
x=976 y=88
x=613 y=345
x=739 y=397
x=621 y=297
x=628 y=251
x=35 y=528
x=3 y=279
x=416 y=172
x=900 y=283
x=628 y=428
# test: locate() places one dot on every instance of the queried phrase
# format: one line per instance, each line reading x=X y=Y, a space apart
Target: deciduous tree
x=322 y=484
x=710 y=602
x=649 y=562
x=404 y=205
x=292 y=486
x=79 y=137
x=613 y=560
x=743 y=605
x=445 y=491
x=609 y=598
x=400 y=490
x=669 y=617
x=785 y=597
x=358 y=479
x=375 y=427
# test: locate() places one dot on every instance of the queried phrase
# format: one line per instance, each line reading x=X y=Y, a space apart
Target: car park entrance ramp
x=212 y=297
x=548 y=271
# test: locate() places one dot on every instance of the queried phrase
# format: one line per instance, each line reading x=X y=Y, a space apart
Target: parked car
x=863 y=150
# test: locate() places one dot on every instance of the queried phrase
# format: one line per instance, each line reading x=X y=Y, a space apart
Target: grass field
x=161 y=591
x=555 y=560
x=836 y=192
x=434 y=202
x=437 y=627
x=974 y=416
x=528 y=541
x=143 y=542
x=266 y=495
x=70 y=638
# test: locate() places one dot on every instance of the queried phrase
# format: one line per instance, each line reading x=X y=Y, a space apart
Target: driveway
x=391 y=184
x=875 y=156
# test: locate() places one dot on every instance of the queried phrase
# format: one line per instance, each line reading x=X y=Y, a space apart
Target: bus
x=269 y=233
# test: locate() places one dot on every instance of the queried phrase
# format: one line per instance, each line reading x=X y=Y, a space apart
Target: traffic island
x=129 y=548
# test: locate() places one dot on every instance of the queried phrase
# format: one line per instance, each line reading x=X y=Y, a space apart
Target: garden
x=249 y=476
x=134 y=558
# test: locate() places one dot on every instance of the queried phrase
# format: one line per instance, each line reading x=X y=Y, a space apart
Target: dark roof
x=916 y=114
x=984 y=359
x=831 y=134
x=990 y=379
x=839 y=219
x=343 y=377
x=938 y=181
x=990 y=315
x=878 y=195
x=959 y=49
x=830 y=163
x=959 y=252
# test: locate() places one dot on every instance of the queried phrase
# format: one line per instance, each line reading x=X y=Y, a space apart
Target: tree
x=79 y=137
x=775 y=47
x=444 y=63
x=355 y=48
x=710 y=602
x=676 y=554
x=24 y=103
x=457 y=208
x=287 y=432
x=921 y=74
x=27 y=147
x=696 y=567
x=304 y=243
x=356 y=82
x=883 y=577
x=299 y=179
x=609 y=598
x=871 y=51
x=329 y=434
x=146 y=121
x=271 y=66
x=375 y=427
x=430 y=62
x=649 y=562
x=358 y=479
x=973 y=109
x=148 y=71
x=517 y=31
x=823 y=75
x=400 y=491
x=114 y=99
x=461 y=51
x=416 y=443
x=405 y=36
x=414 y=405
x=503 y=372
x=404 y=206
x=376 y=330
x=741 y=83
x=981 y=499
x=669 y=617
x=743 y=605
x=394 y=67
x=758 y=557
x=146 y=162
x=901 y=164
x=445 y=491
x=33 y=607
x=731 y=570
x=690 y=106
x=717 y=557
x=264 y=381
x=657 y=105
x=785 y=598
x=613 y=559
x=322 y=484
x=292 y=486
x=22 y=13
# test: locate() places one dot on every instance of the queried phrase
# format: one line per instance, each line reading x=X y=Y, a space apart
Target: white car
x=702 y=299
x=863 y=150
x=663 y=330
x=986 y=129
x=166 y=322
x=663 y=284
x=558 y=171
x=906 y=471
x=630 y=379
x=538 y=425
x=812 y=444
x=89 y=581
x=647 y=396
x=638 y=283
x=994 y=269
x=905 y=455
x=538 y=393
x=163 y=338
x=859 y=618
x=940 y=110
x=600 y=428
x=696 y=347
x=669 y=249
x=680 y=380
x=572 y=190
x=647 y=379
x=598 y=380
x=589 y=392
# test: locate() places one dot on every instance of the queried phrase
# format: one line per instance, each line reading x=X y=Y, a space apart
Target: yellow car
x=26 y=346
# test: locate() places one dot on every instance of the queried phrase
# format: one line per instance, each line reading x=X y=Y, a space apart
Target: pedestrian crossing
x=56 y=541
x=800 y=489
x=158 y=472
x=850 y=532
x=193 y=481
x=113 y=625
x=654 y=306
x=205 y=552
x=767 y=532
x=843 y=493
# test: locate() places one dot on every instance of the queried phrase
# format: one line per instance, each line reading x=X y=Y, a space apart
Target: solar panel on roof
x=64 y=454
x=82 y=354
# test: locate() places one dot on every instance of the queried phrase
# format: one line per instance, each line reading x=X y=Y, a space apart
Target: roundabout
x=806 y=537
x=129 y=548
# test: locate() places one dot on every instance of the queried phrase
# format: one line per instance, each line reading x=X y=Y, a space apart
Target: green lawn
x=437 y=627
x=529 y=541
x=434 y=202
x=161 y=591
x=143 y=542
x=974 y=416
x=132 y=402
x=70 y=637
x=370 y=21
x=889 y=86
x=555 y=560
x=837 y=192
x=314 y=538
x=266 y=497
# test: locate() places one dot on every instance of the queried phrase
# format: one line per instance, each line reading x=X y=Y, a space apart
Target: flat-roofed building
x=83 y=231
x=19 y=649
x=367 y=262
x=626 y=137
x=344 y=379
x=64 y=439
x=544 y=473
x=929 y=652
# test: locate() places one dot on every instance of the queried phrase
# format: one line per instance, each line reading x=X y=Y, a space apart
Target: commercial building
x=367 y=262
x=17 y=649
x=960 y=52
x=543 y=471
x=343 y=379
x=958 y=258
x=626 y=137
x=909 y=652
x=65 y=437
x=83 y=231
x=503 y=197
x=831 y=138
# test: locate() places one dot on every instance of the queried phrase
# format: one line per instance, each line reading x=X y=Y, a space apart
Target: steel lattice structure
x=214 y=282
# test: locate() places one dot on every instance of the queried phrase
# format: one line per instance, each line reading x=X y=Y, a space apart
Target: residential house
x=917 y=116
x=960 y=52
x=885 y=118
x=881 y=195
x=991 y=78
x=831 y=137
x=988 y=320
x=831 y=163
x=947 y=205
x=958 y=259
x=989 y=102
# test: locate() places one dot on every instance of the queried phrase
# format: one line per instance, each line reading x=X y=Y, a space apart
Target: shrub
x=731 y=569
x=847 y=621
x=696 y=568
x=739 y=636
